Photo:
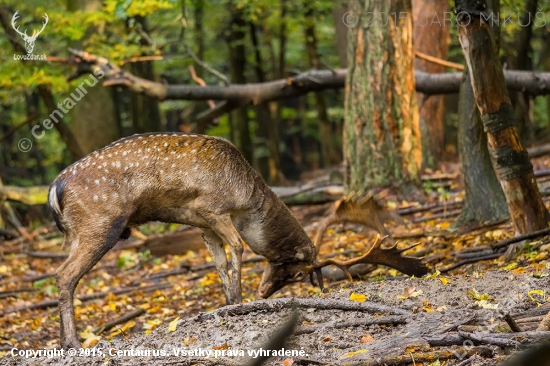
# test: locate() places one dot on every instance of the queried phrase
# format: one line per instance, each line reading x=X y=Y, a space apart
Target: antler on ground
x=361 y=209
x=377 y=255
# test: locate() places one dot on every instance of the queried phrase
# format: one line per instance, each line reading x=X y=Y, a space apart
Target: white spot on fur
x=165 y=144
x=193 y=151
x=173 y=165
x=96 y=198
x=96 y=181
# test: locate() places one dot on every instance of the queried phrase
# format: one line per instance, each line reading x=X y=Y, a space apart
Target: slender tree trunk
x=145 y=110
x=381 y=128
x=240 y=132
x=510 y=159
x=431 y=38
x=199 y=35
x=484 y=200
x=338 y=13
x=268 y=164
x=328 y=151
x=544 y=62
x=520 y=58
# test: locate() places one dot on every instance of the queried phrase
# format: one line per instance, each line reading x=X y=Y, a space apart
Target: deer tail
x=54 y=203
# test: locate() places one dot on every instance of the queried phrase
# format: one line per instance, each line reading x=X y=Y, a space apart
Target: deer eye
x=298 y=276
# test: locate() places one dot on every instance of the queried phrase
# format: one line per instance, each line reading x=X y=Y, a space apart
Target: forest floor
x=161 y=296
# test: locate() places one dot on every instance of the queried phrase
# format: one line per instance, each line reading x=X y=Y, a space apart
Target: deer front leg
x=224 y=228
x=215 y=246
x=85 y=253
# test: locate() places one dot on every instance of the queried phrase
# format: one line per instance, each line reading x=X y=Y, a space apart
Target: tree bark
x=381 y=129
x=240 y=132
x=433 y=39
x=484 y=199
x=509 y=158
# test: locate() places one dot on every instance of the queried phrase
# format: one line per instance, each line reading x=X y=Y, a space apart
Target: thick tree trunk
x=381 y=128
x=510 y=159
x=328 y=151
x=240 y=132
x=431 y=38
x=93 y=118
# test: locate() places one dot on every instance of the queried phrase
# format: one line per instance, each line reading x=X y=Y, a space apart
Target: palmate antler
x=360 y=209
x=390 y=257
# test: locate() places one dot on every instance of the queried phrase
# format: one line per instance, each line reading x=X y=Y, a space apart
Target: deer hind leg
x=224 y=228
x=215 y=246
x=86 y=251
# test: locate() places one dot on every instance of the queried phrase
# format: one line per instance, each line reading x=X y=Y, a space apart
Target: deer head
x=29 y=40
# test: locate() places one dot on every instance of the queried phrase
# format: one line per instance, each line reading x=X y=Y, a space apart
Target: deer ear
x=299 y=254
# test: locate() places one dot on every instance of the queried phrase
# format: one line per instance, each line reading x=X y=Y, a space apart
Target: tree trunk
x=145 y=110
x=328 y=152
x=93 y=117
x=432 y=38
x=509 y=158
x=484 y=200
x=338 y=13
x=518 y=56
x=240 y=132
x=268 y=164
x=381 y=129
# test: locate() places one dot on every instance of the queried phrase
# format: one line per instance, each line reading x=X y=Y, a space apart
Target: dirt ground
x=436 y=307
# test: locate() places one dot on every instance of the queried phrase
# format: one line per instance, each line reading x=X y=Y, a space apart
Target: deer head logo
x=29 y=40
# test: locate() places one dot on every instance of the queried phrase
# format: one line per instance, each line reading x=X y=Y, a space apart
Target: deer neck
x=272 y=231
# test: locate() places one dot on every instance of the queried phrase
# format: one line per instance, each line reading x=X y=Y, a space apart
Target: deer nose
x=265 y=290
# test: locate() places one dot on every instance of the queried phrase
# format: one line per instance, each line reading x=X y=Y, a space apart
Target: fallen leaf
x=357 y=297
x=445 y=281
x=223 y=346
x=351 y=354
x=173 y=324
x=288 y=362
x=366 y=338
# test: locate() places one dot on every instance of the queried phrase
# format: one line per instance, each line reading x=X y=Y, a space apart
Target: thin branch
x=439 y=61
